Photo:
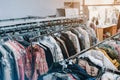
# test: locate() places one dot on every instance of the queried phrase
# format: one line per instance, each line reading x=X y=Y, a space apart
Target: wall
x=22 y=8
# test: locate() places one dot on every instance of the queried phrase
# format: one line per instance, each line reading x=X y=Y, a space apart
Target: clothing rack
x=82 y=52
x=60 y=21
x=49 y=33
x=23 y=18
x=85 y=50
x=64 y=29
x=38 y=22
x=47 y=23
x=33 y=21
x=39 y=25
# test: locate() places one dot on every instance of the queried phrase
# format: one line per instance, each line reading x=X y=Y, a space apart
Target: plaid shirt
x=35 y=62
x=19 y=52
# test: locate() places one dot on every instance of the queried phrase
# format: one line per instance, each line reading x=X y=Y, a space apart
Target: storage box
x=68 y=12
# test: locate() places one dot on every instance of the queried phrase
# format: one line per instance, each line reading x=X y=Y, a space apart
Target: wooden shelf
x=103 y=5
x=101 y=30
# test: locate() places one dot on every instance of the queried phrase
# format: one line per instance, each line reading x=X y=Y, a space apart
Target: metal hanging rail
x=23 y=18
x=44 y=23
x=35 y=21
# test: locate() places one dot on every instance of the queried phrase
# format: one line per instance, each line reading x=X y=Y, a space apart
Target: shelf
x=112 y=29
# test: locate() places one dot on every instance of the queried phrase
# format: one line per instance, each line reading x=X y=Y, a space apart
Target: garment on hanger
x=90 y=69
x=86 y=36
x=114 y=61
x=30 y=61
x=98 y=58
x=74 y=40
x=35 y=64
x=112 y=50
x=57 y=76
x=80 y=38
x=91 y=33
x=55 y=49
x=75 y=70
x=16 y=53
x=61 y=43
x=70 y=46
x=48 y=54
x=9 y=72
x=110 y=76
x=19 y=52
x=1 y=71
